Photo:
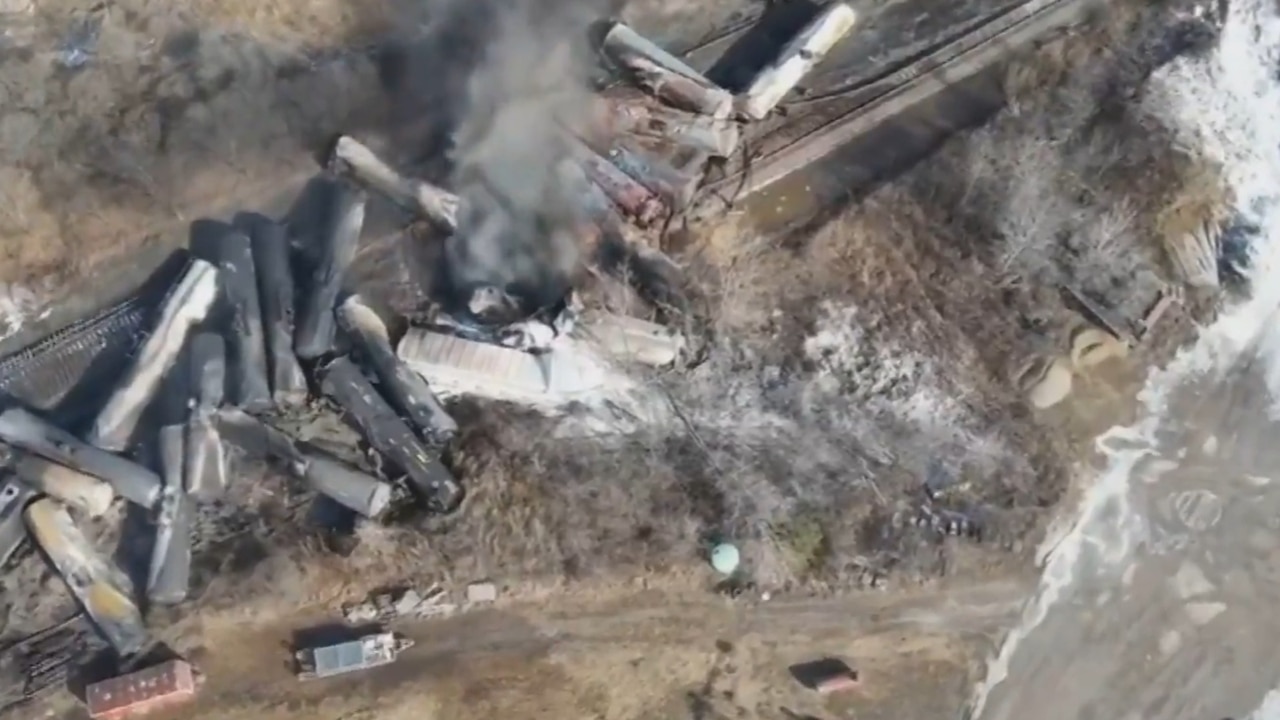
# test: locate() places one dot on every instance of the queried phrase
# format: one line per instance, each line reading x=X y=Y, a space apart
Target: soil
x=859 y=357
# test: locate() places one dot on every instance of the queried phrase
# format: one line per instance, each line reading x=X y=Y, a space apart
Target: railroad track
x=899 y=91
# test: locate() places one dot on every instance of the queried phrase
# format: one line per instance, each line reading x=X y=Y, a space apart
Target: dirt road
x=643 y=654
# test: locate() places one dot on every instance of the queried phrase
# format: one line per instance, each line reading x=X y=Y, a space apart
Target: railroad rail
x=899 y=90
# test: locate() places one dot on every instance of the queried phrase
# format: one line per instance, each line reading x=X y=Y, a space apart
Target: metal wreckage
x=255 y=319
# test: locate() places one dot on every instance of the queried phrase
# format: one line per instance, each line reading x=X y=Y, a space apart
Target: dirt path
x=630 y=657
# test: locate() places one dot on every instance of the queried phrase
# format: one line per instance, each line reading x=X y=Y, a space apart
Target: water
x=1121 y=625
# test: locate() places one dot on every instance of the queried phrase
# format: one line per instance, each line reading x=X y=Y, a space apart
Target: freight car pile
x=257 y=321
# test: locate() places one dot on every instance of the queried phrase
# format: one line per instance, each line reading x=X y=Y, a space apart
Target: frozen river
x=1157 y=602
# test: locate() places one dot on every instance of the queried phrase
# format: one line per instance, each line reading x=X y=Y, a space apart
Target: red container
x=141 y=692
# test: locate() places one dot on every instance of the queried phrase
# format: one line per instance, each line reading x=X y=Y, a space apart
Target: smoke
x=532 y=75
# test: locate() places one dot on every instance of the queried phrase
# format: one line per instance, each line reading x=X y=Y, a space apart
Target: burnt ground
x=859 y=355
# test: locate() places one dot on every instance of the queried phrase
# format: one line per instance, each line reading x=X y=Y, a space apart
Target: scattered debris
x=366 y=652
x=946 y=522
x=385 y=607
x=482 y=592
x=635 y=340
x=143 y=691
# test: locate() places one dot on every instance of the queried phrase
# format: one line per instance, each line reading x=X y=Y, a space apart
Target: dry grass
x=178 y=112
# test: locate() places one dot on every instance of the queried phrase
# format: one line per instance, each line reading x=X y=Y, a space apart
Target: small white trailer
x=363 y=653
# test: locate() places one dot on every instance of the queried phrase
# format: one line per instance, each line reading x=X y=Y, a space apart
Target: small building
x=141 y=692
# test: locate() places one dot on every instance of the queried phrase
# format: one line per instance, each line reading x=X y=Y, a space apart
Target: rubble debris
x=438 y=206
x=333 y=247
x=205 y=470
x=269 y=242
x=630 y=196
x=386 y=607
x=348 y=486
x=76 y=489
x=187 y=305
x=657 y=278
x=14 y=496
x=130 y=480
x=404 y=389
x=482 y=592
x=634 y=339
x=630 y=112
x=1092 y=346
x=169 y=576
x=945 y=522
x=663 y=74
x=250 y=386
x=797 y=59
x=141 y=692
x=389 y=435
x=364 y=653
x=102 y=589
x=458 y=366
